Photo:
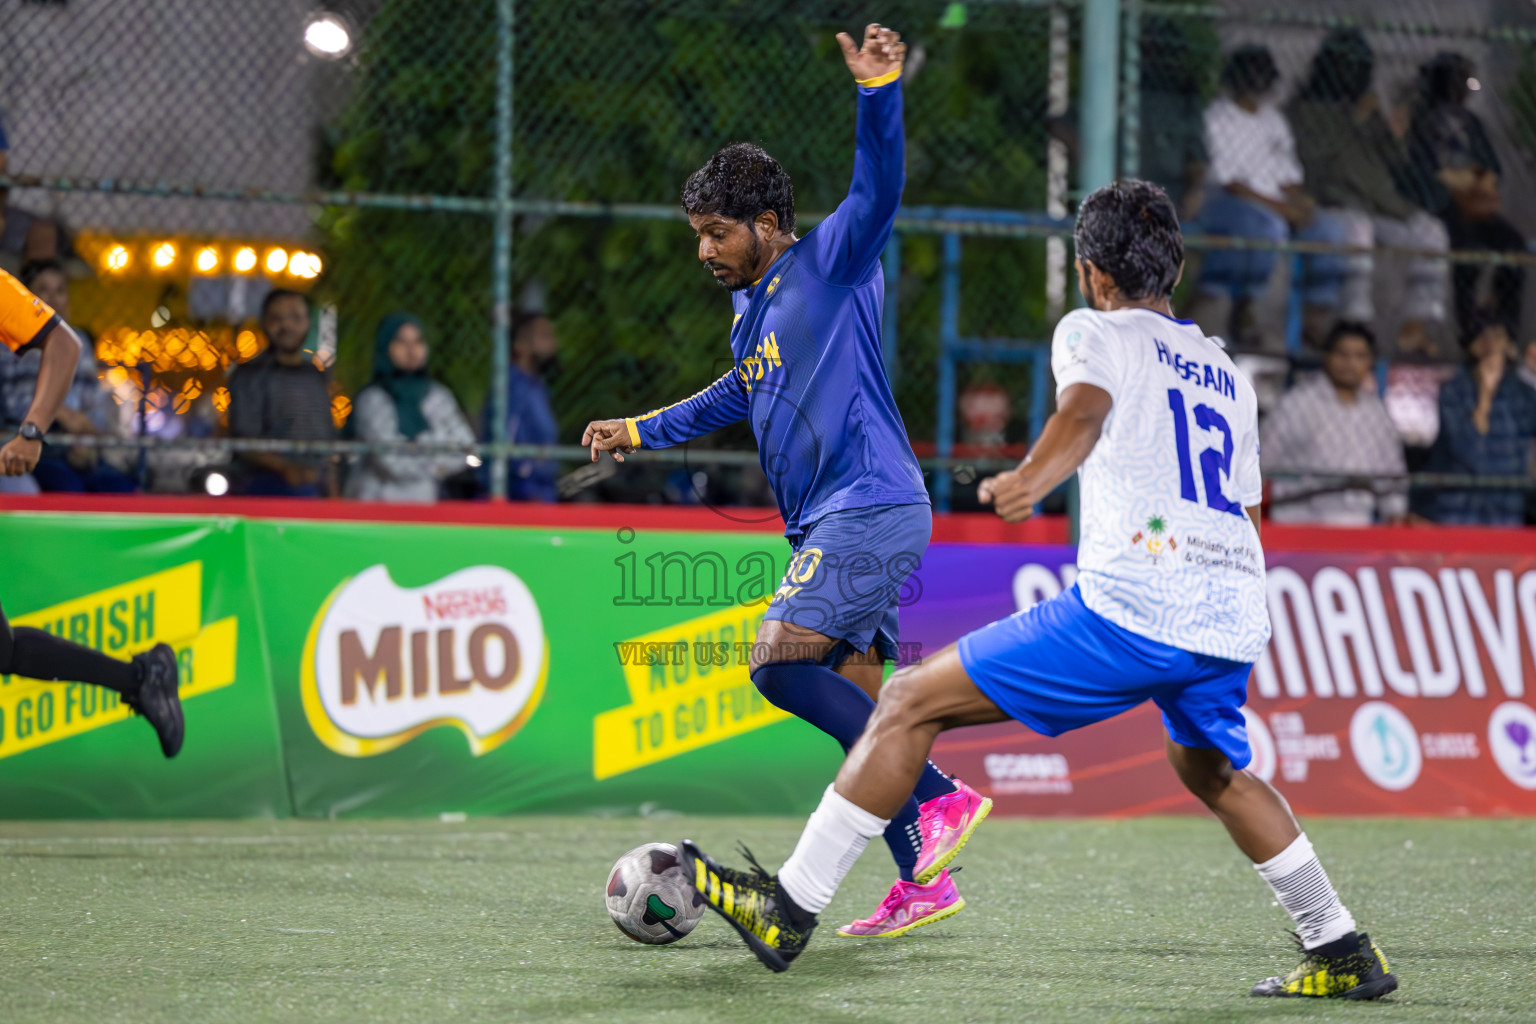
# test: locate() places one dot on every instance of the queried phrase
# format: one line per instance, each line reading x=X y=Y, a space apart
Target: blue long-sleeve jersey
x=808 y=373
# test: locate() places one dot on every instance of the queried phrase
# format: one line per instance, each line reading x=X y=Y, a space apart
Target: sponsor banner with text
x=348 y=668
x=1395 y=683
x=121 y=585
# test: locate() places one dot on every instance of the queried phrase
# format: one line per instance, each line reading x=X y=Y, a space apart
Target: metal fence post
x=1099 y=127
x=1130 y=92
x=501 y=264
x=1100 y=86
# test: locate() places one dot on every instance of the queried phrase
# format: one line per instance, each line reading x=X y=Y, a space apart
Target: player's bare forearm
x=1253 y=517
x=1066 y=441
x=61 y=353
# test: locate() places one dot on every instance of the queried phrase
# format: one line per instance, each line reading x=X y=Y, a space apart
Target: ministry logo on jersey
x=1154 y=537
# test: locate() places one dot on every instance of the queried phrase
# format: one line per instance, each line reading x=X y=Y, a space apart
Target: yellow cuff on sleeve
x=885 y=79
x=634 y=433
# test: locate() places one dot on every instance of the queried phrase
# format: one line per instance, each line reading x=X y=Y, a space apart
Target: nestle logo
x=1028 y=773
x=464 y=604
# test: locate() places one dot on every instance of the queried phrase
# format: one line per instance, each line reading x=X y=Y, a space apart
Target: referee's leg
x=36 y=654
x=148 y=683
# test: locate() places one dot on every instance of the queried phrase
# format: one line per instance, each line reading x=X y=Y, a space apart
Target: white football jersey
x=1166 y=549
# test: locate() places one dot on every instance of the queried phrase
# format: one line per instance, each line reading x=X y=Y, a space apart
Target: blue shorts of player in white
x=847 y=577
x=1060 y=666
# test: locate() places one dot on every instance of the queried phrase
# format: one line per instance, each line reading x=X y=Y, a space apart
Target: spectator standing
x=1487 y=421
x=530 y=414
x=1455 y=174
x=1353 y=164
x=281 y=394
x=87 y=408
x=403 y=403
x=1334 y=424
x=1255 y=194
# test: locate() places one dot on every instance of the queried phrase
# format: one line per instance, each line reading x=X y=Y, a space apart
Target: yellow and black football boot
x=767 y=920
x=1349 y=968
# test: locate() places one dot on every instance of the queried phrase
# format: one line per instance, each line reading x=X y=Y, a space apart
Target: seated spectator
x=1172 y=136
x=1455 y=176
x=1255 y=194
x=402 y=403
x=530 y=416
x=87 y=408
x=281 y=394
x=1487 y=421
x=1353 y=163
x=1333 y=423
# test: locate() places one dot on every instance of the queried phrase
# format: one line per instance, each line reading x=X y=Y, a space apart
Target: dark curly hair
x=1130 y=231
x=741 y=181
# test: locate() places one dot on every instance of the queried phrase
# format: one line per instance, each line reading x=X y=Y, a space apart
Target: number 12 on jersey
x=1215 y=463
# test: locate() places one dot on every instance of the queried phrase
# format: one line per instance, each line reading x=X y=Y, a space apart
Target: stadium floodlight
x=327 y=35
x=207 y=259
x=116 y=258
x=245 y=260
x=277 y=259
x=163 y=256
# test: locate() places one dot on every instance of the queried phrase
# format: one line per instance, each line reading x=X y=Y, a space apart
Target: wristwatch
x=29 y=432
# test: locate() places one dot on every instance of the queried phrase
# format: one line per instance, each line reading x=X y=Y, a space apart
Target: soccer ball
x=648 y=897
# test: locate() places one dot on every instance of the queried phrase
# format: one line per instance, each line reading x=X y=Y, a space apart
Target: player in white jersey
x=1169 y=606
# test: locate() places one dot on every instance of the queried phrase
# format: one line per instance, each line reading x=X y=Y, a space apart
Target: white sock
x=836 y=834
x=1302 y=887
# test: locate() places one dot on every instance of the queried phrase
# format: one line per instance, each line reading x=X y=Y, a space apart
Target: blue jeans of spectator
x=1244 y=273
x=59 y=475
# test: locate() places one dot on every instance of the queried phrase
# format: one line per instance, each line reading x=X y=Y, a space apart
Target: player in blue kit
x=1169 y=606
x=808 y=376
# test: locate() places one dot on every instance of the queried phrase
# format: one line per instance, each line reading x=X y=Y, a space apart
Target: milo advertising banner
x=68 y=750
x=489 y=670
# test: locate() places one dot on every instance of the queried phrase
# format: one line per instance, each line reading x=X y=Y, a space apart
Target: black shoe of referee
x=156 y=698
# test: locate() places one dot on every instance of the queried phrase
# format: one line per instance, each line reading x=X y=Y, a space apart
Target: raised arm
x=722 y=403
x=845 y=247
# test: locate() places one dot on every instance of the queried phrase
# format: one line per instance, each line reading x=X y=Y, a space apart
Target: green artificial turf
x=502 y=920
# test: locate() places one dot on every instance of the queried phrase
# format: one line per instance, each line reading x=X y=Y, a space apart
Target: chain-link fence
x=187 y=158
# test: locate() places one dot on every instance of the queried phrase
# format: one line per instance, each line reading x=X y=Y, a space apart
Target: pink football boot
x=908 y=906
x=946 y=823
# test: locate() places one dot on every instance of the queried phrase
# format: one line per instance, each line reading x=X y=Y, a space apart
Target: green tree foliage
x=618 y=101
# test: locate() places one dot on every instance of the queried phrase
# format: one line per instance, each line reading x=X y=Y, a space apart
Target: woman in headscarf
x=403 y=403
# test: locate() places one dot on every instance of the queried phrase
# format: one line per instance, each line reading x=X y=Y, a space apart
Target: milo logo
x=384 y=663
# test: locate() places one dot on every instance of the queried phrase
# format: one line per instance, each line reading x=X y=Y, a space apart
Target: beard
x=740 y=283
x=1089 y=293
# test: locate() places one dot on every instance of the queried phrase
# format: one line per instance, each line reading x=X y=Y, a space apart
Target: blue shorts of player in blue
x=848 y=576
x=1060 y=666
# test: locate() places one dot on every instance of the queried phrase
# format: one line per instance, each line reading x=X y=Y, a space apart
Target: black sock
x=799 y=917
x=39 y=655
x=1349 y=945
